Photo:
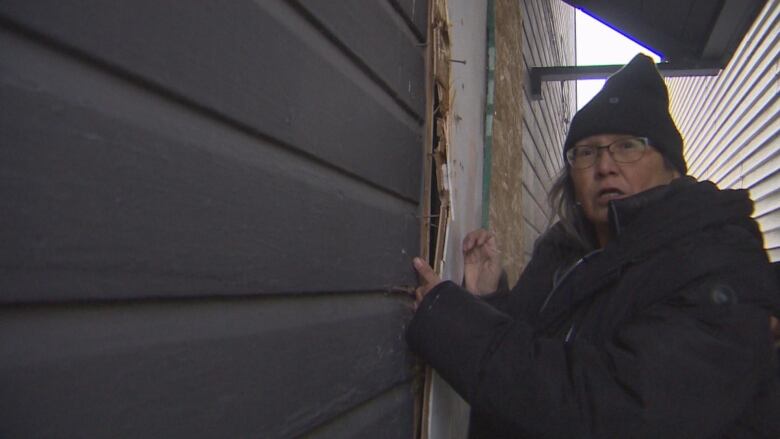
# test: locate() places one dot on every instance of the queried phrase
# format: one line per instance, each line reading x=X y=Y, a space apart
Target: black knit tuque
x=634 y=101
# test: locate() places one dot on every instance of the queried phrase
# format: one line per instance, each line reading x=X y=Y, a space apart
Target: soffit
x=688 y=33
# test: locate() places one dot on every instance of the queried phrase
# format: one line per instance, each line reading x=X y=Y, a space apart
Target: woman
x=642 y=313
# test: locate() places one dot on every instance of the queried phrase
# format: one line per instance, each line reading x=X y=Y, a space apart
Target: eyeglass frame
x=608 y=147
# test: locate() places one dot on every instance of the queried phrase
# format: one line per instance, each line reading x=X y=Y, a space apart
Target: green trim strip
x=487 y=160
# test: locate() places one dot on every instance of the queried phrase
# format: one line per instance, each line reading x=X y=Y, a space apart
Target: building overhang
x=692 y=37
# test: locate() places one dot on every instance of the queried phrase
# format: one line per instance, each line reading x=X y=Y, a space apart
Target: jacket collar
x=624 y=211
x=647 y=222
x=651 y=219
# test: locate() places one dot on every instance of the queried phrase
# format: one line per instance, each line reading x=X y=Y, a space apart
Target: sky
x=599 y=44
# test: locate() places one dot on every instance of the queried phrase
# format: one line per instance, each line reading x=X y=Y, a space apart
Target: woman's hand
x=428 y=279
x=482 y=262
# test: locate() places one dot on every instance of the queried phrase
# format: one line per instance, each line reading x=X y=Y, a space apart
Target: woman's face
x=609 y=180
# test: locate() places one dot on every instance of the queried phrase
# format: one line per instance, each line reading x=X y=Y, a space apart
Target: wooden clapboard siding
x=731 y=123
x=206 y=208
x=548 y=40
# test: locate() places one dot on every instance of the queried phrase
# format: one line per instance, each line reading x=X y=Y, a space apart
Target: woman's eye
x=628 y=144
x=583 y=152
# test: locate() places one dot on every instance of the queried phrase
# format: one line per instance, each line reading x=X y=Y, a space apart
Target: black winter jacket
x=663 y=333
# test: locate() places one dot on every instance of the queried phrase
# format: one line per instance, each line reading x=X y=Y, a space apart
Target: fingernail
x=417 y=262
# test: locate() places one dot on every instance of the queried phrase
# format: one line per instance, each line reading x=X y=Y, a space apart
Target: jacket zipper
x=615 y=218
x=566 y=275
x=569 y=333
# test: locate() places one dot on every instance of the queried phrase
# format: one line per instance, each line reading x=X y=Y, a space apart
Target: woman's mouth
x=608 y=194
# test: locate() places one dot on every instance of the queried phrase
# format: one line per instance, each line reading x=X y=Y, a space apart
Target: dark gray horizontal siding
x=204 y=206
x=265 y=367
x=112 y=194
x=259 y=64
x=371 y=31
x=384 y=417
x=416 y=13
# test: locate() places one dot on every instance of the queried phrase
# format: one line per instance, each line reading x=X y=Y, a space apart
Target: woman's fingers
x=479 y=245
x=484 y=238
x=475 y=238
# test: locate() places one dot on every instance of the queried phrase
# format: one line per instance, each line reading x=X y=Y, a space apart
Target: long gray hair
x=563 y=204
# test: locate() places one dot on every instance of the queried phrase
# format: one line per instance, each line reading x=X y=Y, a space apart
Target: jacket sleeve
x=499 y=298
x=683 y=368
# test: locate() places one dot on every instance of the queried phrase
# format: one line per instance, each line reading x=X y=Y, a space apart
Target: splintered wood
x=438 y=93
x=440 y=26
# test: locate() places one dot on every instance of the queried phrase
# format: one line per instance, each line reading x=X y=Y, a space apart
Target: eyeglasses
x=622 y=151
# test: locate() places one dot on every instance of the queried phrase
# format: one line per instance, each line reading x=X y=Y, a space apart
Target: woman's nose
x=605 y=164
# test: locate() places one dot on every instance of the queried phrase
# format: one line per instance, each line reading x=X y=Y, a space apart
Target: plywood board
x=506 y=204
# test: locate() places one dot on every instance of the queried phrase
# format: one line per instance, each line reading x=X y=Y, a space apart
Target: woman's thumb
x=424 y=270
